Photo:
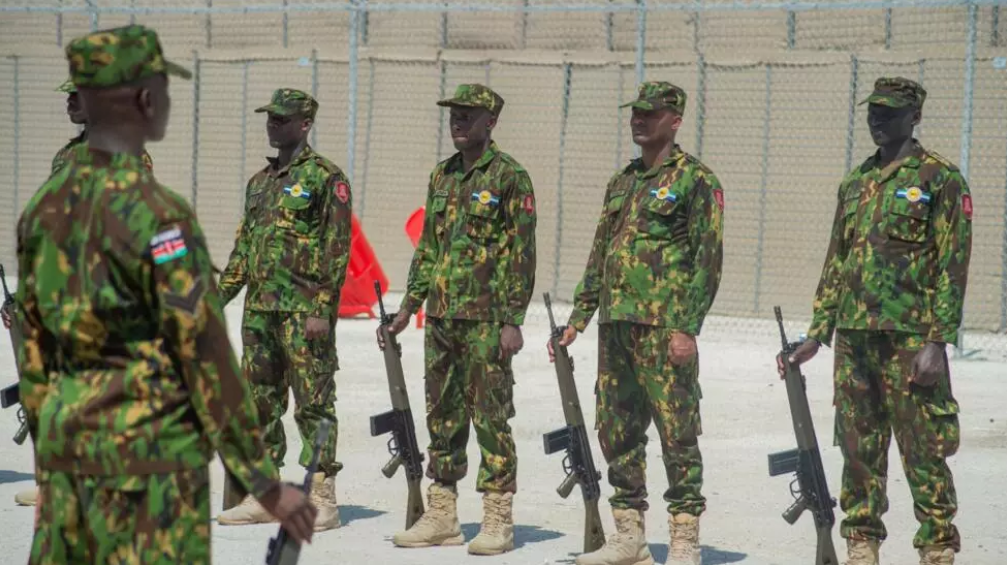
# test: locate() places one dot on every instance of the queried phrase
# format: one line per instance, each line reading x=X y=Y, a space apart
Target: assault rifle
x=578 y=463
x=9 y=396
x=399 y=421
x=283 y=549
x=806 y=461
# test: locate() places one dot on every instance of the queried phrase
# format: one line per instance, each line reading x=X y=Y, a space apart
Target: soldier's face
x=891 y=125
x=286 y=131
x=470 y=127
x=653 y=127
x=74 y=109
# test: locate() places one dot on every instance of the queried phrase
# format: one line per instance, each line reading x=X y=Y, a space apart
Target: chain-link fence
x=773 y=91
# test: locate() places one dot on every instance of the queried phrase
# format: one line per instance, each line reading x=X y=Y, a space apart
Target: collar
x=306 y=153
x=85 y=154
x=455 y=163
x=911 y=161
x=638 y=167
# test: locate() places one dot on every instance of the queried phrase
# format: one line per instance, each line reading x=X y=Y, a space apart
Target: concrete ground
x=745 y=417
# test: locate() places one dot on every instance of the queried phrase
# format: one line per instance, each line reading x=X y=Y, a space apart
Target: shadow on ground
x=522 y=534
x=351 y=513
x=711 y=555
x=15 y=476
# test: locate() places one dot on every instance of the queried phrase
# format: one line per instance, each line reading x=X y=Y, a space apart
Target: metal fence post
x=966 y=141
x=59 y=26
x=209 y=25
x=17 y=139
x=641 y=48
x=244 y=132
x=700 y=103
x=443 y=65
x=564 y=119
x=1003 y=261
x=619 y=117
x=362 y=185
x=791 y=29
x=196 y=76
x=92 y=10
x=763 y=185
x=920 y=76
x=314 y=92
x=851 y=119
x=888 y=28
x=286 y=24
x=352 y=87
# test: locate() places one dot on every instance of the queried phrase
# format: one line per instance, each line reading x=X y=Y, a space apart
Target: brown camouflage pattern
x=897 y=92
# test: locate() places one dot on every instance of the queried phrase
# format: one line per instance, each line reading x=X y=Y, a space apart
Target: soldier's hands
x=316 y=328
x=568 y=337
x=294 y=511
x=510 y=341
x=928 y=364
x=803 y=353
x=681 y=348
x=6 y=318
x=398 y=323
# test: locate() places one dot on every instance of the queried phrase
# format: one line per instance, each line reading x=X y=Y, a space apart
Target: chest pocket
x=659 y=214
x=295 y=213
x=908 y=216
x=482 y=219
x=850 y=207
x=438 y=208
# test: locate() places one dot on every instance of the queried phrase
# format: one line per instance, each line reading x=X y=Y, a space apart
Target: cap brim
x=640 y=104
x=177 y=70
x=888 y=101
x=276 y=109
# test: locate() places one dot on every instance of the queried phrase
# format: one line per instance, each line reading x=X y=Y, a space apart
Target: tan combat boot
x=496 y=535
x=248 y=512
x=684 y=547
x=860 y=552
x=937 y=555
x=323 y=496
x=627 y=546
x=438 y=525
x=27 y=497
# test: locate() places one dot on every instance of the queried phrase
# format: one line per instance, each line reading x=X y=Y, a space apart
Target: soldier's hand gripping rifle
x=399 y=421
x=578 y=463
x=812 y=492
x=9 y=396
x=283 y=549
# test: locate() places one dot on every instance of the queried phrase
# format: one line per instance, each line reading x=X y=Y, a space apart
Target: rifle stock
x=10 y=396
x=283 y=549
x=572 y=438
x=806 y=461
x=399 y=421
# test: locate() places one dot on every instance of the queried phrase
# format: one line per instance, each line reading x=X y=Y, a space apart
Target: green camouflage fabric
x=475 y=96
x=896 y=92
x=659 y=95
x=154 y=519
x=290 y=102
x=66 y=152
x=293 y=244
x=118 y=56
x=277 y=358
x=475 y=259
x=465 y=380
x=657 y=253
x=874 y=397
x=126 y=364
x=900 y=250
x=637 y=383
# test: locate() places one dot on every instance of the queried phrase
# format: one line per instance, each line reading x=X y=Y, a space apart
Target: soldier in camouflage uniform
x=129 y=381
x=291 y=252
x=892 y=288
x=475 y=268
x=76 y=113
x=653 y=272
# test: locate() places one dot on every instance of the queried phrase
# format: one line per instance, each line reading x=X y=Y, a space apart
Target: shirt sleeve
x=193 y=326
x=334 y=251
x=520 y=262
x=422 y=265
x=823 y=320
x=953 y=231
x=587 y=294
x=235 y=275
x=706 y=242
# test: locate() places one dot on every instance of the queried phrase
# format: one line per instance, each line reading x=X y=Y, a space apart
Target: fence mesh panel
x=773 y=93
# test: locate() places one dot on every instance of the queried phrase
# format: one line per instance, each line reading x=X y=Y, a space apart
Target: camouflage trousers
x=277 y=358
x=637 y=384
x=129 y=520
x=467 y=381
x=873 y=397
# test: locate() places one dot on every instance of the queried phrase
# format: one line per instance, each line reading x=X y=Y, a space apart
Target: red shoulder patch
x=342 y=191
x=529 y=204
x=718 y=195
x=967 y=206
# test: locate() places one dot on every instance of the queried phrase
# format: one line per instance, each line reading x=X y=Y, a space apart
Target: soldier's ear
x=306 y=124
x=917 y=116
x=145 y=102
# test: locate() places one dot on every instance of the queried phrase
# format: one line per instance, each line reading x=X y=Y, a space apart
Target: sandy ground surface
x=745 y=417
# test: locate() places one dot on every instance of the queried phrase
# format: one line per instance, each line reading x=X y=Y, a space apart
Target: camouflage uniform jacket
x=899 y=254
x=476 y=257
x=658 y=249
x=64 y=154
x=293 y=244
x=126 y=364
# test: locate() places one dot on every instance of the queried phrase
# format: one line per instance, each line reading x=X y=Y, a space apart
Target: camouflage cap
x=118 y=56
x=659 y=95
x=288 y=101
x=475 y=96
x=897 y=92
x=67 y=87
